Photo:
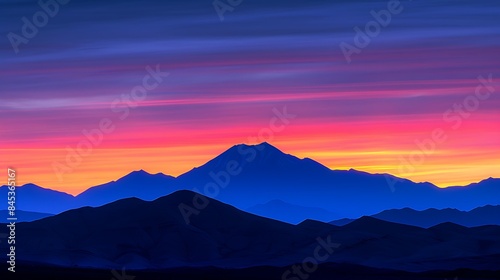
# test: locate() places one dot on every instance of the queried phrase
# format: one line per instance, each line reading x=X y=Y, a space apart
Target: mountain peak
x=449 y=226
x=265 y=145
x=25 y=186
x=259 y=147
x=35 y=188
x=136 y=175
x=142 y=174
x=371 y=224
x=182 y=196
x=256 y=154
x=31 y=186
x=310 y=223
x=489 y=180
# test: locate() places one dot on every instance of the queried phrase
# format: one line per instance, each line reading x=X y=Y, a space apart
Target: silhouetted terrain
x=481 y=216
x=154 y=235
x=32 y=198
x=261 y=174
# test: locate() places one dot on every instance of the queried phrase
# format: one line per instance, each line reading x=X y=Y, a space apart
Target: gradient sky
x=226 y=78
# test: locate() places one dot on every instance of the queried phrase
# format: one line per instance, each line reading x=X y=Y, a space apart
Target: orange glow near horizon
x=333 y=145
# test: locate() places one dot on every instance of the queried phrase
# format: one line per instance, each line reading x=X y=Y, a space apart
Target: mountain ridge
x=140 y=234
x=480 y=216
x=262 y=173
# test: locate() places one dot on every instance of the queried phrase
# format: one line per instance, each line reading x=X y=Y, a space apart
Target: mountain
x=141 y=234
x=23 y=216
x=286 y=212
x=245 y=176
x=486 y=215
x=342 y=222
x=139 y=184
x=379 y=227
x=33 y=198
x=261 y=173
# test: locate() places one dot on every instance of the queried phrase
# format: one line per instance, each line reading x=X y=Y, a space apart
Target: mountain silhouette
x=33 y=198
x=141 y=234
x=264 y=174
x=248 y=175
x=139 y=184
x=486 y=215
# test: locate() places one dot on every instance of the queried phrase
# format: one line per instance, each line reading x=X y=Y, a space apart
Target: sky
x=413 y=85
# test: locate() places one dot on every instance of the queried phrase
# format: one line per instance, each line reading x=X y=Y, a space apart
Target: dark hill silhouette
x=486 y=215
x=373 y=225
x=141 y=234
x=251 y=175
